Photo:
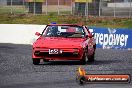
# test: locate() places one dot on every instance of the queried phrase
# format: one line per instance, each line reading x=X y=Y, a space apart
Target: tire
x=84 y=58
x=36 y=61
x=94 y=46
x=91 y=58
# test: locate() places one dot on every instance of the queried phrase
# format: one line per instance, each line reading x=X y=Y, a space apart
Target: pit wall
x=106 y=38
x=19 y=33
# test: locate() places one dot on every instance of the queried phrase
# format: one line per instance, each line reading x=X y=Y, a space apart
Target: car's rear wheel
x=36 y=61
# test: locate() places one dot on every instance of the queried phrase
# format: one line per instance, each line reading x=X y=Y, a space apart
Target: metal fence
x=115 y=8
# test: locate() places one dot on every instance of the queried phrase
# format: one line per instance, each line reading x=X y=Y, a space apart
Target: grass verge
x=111 y=22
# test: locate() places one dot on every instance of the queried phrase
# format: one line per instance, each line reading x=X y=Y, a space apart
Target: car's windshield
x=64 y=31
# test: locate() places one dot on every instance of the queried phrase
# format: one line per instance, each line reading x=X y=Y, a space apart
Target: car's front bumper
x=67 y=54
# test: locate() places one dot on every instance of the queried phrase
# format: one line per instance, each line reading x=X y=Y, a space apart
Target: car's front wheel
x=91 y=57
x=36 y=61
x=84 y=58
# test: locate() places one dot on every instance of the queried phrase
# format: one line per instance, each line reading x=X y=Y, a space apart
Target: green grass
x=46 y=19
x=13 y=9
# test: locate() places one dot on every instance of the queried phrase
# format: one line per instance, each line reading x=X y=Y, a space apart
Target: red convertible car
x=64 y=42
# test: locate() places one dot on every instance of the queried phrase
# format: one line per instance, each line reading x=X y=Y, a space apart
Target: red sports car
x=64 y=42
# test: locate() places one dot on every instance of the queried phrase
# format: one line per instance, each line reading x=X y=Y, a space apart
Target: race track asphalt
x=17 y=70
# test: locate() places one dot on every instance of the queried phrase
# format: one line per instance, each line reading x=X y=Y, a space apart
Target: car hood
x=59 y=42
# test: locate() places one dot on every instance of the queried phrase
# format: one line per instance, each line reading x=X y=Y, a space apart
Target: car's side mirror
x=86 y=36
x=37 y=33
x=89 y=36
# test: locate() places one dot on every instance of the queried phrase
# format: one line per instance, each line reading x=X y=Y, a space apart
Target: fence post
x=99 y=7
x=86 y=8
x=23 y=2
x=58 y=6
x=130 y=9
x=71 y=8
x=34 y=7
x=114 y=8
x=46 y=7
x=11 y=7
